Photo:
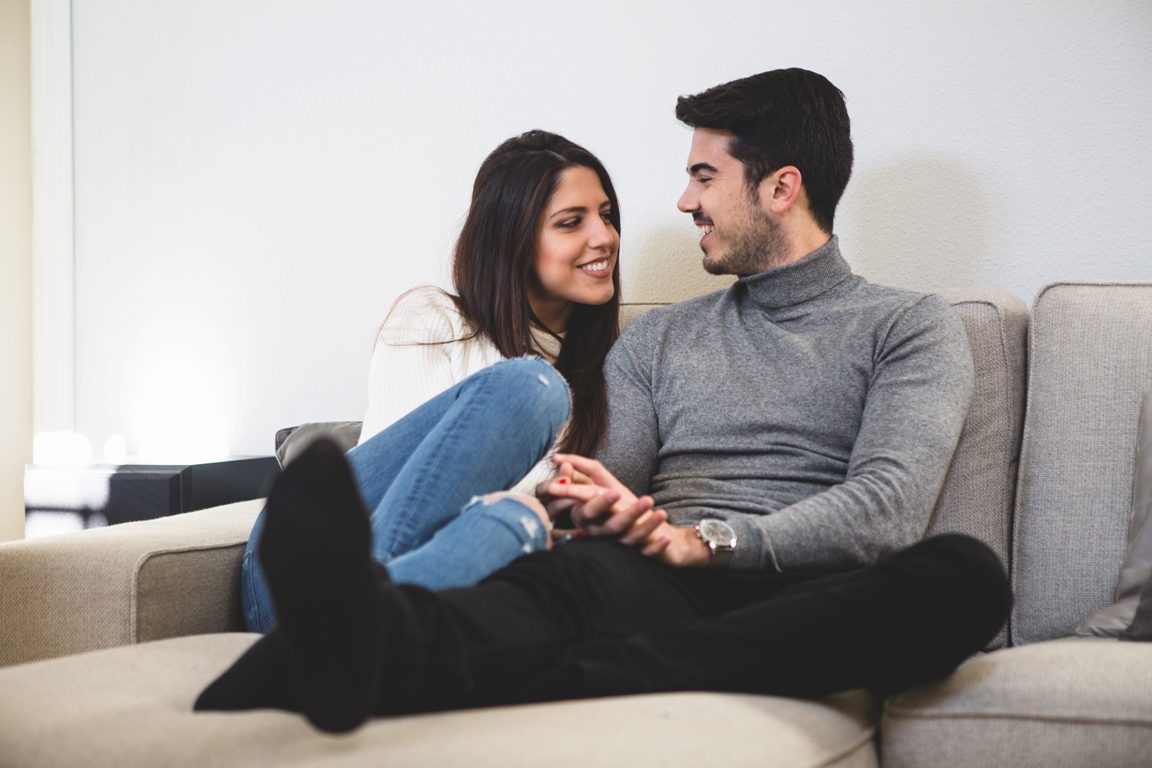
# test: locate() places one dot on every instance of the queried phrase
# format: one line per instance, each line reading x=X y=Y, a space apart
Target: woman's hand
x=556 y=503
x=602 y=506
x=558 y=499
x=606 y=507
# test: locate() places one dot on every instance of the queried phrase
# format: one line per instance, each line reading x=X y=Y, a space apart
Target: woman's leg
x=501 y=421
x=255 y=599
x=489 y=533
x=481 y=435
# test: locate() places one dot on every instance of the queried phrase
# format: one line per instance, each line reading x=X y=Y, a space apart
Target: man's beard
x=755 y=245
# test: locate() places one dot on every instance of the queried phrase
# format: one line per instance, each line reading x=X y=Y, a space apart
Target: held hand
x=609 y=508
x=603 y=506
x=556 y=503
x=589 y=471
x=675 y=546
x=598 y=511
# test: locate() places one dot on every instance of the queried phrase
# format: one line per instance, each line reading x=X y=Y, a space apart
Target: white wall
x=256 y=181
x=15 y=263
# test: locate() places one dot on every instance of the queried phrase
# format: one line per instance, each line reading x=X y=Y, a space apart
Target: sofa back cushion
x=1090 y=360
x=979 y=491
x=1112 y=620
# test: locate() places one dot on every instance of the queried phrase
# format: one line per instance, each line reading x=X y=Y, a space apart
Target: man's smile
x=704 y=225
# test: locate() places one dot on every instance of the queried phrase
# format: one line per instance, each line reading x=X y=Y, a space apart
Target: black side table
x=106 y=494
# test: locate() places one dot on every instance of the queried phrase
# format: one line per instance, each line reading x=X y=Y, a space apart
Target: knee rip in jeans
x=542 y=377
x=531 y=522
x=531 y=526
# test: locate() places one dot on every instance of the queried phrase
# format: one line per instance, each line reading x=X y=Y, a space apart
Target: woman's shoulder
x=425 y=314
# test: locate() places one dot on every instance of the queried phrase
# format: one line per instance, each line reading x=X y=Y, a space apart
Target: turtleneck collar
x=800 y=281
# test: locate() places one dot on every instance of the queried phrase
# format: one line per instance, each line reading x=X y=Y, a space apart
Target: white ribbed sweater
x=424 y=347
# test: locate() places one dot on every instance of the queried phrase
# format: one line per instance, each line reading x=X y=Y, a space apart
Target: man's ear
x=780 y=190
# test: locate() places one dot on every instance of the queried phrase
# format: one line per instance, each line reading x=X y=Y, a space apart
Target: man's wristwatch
x=720 y=538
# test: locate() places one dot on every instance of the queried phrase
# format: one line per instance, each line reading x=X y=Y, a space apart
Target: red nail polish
x=580 y=534
x=563 y=481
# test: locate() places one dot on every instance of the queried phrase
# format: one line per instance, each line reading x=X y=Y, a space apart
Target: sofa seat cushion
x=132 y=706
x=1072 y=702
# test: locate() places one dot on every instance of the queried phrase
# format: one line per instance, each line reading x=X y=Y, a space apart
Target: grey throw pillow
x=1134 y=588
x=1141 y=626
x=291 y=442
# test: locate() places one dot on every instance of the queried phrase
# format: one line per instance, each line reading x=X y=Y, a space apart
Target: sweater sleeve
x=412 y=360
x=917 y=400
x=630 y=450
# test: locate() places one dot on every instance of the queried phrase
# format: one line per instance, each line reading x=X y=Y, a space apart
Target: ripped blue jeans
x=423 y=479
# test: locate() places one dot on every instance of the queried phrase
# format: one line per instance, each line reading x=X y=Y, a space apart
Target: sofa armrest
x=123 y=584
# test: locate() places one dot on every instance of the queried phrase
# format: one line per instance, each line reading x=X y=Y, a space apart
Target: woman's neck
x=553 y=314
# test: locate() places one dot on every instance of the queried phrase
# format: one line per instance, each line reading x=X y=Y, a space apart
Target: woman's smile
x=600 y=268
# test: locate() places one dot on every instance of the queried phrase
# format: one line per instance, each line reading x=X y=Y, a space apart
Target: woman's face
x=575 y=251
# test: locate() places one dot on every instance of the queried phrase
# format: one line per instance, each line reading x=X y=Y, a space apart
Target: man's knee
x=972 y=566
x=970 y=551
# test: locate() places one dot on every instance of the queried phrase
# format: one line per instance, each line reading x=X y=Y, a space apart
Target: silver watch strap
x=721 y=555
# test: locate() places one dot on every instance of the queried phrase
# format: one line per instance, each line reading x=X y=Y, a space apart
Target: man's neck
x=802 y=243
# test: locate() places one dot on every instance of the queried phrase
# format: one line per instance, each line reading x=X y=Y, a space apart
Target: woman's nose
x=603 y=234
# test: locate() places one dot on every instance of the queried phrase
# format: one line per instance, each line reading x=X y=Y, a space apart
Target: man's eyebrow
x=702 y=167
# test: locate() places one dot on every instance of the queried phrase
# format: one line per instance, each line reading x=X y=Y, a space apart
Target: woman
x=456 y=409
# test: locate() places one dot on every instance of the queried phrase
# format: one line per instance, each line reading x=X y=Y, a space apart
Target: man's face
x=738 y=237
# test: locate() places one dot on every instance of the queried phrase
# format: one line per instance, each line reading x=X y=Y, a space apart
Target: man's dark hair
x=783 y=117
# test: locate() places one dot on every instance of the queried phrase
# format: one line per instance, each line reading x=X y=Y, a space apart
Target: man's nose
x=688 y=201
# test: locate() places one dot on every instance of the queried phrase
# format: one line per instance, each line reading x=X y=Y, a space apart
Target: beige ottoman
x=132 y=706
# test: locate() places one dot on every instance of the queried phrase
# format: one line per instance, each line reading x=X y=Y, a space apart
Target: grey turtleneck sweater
x=813 y=411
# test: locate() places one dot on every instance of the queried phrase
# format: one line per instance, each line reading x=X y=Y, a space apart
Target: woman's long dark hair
x=493 y=265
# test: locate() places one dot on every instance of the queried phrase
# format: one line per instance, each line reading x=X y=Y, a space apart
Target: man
x=813 y=413
x=793 y=431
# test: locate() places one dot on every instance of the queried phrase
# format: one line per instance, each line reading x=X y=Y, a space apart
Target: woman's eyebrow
x=573 y=209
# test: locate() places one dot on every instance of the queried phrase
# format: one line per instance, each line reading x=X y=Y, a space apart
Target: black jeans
x=594 y=618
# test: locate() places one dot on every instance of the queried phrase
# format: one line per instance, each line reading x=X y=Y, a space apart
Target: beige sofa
x=110 y=634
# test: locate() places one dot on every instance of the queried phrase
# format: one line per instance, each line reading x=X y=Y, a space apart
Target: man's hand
x=600 y=504
x=673 y=545
x=607 y=508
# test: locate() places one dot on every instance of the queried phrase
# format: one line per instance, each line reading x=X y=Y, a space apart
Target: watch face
x=717 y=531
